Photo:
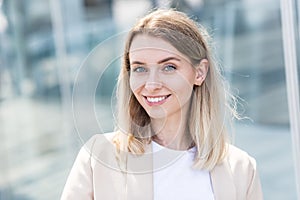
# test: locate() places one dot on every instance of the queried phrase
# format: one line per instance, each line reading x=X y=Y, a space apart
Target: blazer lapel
x=222 y=182
x=140 y=171
x=139 y=183
x=139 y=177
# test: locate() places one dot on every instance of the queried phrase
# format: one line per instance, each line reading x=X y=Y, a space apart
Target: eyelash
x=169 y=66
x=136 y=69
x=165 y=68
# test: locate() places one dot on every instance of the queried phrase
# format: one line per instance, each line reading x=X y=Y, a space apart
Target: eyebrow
x=159 y=62
x=167 y=59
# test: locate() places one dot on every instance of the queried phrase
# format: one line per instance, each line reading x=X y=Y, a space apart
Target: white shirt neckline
x=179 y=180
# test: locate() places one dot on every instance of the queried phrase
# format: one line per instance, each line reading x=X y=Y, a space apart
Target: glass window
x=46 y=50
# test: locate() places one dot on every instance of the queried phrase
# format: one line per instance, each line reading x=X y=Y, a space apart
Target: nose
x=152 y=86
x=153 y=82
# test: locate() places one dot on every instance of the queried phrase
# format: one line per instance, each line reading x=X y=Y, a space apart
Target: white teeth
x=155 y=99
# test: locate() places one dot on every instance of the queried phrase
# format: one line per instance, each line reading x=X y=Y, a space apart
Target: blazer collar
x=139 y=178
x=140 y=168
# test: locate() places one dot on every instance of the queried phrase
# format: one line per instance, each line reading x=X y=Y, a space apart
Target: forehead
x=149 y=48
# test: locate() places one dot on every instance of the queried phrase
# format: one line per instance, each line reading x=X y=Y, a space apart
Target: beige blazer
x=97 y=174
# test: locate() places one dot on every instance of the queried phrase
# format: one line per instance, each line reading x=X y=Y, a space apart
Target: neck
x=171 y=133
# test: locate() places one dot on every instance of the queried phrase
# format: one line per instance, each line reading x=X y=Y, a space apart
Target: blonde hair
x=208 y=102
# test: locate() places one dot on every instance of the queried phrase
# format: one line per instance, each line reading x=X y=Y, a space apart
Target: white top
x=179 y=180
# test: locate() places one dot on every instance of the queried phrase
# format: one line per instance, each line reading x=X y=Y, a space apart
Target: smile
x=156 y=100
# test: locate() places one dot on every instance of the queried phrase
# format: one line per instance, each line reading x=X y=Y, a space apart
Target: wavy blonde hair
x=209 y=103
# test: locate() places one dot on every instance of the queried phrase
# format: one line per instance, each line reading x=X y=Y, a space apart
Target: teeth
x=156 y=99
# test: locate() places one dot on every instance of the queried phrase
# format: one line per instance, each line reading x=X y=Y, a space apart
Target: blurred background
x=56 y=91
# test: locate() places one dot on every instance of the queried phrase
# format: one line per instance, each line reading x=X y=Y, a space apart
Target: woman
x=170 y=141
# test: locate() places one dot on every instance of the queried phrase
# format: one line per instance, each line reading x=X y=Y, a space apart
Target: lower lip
x=156 y=103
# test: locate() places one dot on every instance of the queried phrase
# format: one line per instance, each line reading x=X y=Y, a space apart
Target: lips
x=156 y=100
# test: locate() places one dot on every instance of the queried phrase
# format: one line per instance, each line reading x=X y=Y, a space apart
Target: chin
x=157 y=114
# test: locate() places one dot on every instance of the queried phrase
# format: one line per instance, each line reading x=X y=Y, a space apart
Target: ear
x=201 y=71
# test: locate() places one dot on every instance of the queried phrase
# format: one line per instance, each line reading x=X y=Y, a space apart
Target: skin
x=162 y=80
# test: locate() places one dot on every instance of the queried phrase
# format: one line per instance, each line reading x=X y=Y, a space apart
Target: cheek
x=180 y=81
x=184 y=91
x=182 y=88
x=135 y=83
x=136 y=87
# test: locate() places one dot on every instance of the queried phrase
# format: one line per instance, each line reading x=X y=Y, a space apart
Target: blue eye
x=169 y=68
x=139 y=69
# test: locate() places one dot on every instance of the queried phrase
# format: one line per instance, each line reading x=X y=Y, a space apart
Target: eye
x=139 y=69
x=169 y=68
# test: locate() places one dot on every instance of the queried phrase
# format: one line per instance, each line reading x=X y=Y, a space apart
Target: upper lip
x=157 y=96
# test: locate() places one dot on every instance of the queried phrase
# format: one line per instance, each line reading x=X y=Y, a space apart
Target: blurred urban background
x=52 y=85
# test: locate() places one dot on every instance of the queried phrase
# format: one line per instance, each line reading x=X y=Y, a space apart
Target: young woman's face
x=161 y=78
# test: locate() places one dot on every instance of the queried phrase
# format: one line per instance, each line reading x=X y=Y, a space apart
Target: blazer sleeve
x=245 y=175
x=79 y=184
x=254 y=191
